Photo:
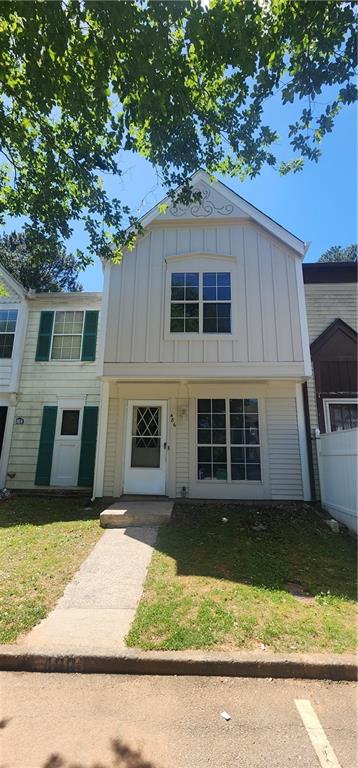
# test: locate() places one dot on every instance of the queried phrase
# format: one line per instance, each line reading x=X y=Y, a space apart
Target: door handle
x=166 y=446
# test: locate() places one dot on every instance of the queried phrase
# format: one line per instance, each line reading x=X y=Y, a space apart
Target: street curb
x=133 y=662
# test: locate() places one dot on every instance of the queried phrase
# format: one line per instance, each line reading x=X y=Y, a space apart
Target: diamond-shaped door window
x=146 y=428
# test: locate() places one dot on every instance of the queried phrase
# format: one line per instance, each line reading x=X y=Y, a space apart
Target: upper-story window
x=8 y=319
x=184 y=314
x=200 y=302
x=67 y=336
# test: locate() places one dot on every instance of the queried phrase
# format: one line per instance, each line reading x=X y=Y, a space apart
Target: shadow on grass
x=264 y=546
x=123 y=757
x=33 y=510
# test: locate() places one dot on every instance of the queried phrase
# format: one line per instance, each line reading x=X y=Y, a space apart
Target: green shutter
x=45 y=335
x=44 y=459
x=90 y=335
x=88 y=445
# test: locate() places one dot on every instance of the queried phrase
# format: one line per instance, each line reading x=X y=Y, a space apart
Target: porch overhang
x=205 y=372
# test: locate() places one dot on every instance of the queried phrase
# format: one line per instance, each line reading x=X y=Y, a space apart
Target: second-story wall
x=266 y=286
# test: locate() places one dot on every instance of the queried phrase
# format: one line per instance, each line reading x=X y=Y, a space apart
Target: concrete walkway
x=99 y=603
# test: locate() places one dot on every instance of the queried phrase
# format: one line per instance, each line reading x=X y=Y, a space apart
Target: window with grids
x=228 y=438
x=200 y=302
x=184 y=310
x=216 y=302
x=8 y=319
x=67 y=336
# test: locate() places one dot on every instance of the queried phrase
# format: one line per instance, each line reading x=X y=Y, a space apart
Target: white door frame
x=151 y=480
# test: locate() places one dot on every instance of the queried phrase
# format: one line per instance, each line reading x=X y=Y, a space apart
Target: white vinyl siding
x=284 y=448
x=182 y=447
x=325 y=302
x=44 y=383
x=110 y=467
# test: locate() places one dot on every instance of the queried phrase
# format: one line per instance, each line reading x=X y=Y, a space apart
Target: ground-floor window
x=340 y=414
x=228 y=439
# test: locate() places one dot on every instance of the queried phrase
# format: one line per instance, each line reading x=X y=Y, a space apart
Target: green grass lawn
x=222 y=586
x=43 y=541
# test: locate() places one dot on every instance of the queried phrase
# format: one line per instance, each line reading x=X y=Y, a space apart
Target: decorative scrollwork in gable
x=204 y=208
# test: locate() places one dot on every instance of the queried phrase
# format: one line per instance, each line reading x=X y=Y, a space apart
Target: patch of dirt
x=296 y=590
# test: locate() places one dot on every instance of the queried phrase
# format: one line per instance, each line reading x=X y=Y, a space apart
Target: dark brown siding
x=334 y=357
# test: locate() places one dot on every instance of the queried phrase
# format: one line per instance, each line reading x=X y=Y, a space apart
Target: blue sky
x=318 y=204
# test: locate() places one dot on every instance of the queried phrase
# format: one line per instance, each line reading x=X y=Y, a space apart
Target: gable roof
x=337 y=326
x=12 y=282
x=299 y=246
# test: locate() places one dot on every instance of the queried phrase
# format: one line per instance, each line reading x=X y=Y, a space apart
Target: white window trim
x=8 y=308
x=67 y=359
x=185 y=266
x=335 y=401
x=228 y=446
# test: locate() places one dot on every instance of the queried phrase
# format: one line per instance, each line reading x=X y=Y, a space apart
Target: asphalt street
x=114 y=721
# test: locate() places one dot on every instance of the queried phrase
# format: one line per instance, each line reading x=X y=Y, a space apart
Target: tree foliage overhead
x=182 y=83
x=340 y=253
x=58 y=272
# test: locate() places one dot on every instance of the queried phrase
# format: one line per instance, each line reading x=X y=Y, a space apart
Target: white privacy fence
x=338 y=474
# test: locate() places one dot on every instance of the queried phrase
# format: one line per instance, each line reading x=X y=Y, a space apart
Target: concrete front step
x=125 y=514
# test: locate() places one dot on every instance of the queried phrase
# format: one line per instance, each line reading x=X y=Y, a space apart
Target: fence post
x=317 y=435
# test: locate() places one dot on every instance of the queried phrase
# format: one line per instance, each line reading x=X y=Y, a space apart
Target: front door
x=67 y=447
x=146 y=448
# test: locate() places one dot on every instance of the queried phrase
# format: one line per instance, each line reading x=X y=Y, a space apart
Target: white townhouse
x=202 y=354
x=191 y=383
x=55 y=407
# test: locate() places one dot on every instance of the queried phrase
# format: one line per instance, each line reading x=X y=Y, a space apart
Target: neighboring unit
x=55 y=427
x=332 y=301
x=204 y=350
x=13 y=322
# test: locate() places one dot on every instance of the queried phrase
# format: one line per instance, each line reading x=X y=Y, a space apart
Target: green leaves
x=38 y=264
x=340 y=253
x=182 y=84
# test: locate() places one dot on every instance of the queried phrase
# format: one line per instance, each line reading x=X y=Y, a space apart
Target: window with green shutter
x=47 y=437
x=67 y=335
x=88 y=445
x=45 y=336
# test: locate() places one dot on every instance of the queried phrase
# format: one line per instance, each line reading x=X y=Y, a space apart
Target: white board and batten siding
x=266 y=336
x=46 y=383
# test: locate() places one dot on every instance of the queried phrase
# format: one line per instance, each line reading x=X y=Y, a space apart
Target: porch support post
x=303 y=444
x=98 y=482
